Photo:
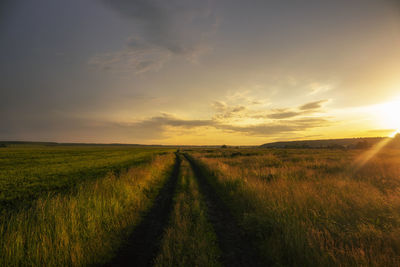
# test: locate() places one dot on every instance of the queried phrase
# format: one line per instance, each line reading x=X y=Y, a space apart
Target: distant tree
x=224 y=146
x=362 y=144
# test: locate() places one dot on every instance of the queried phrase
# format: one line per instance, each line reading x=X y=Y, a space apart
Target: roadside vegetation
x=312 y=207
x=189 y=239
x=86 y=227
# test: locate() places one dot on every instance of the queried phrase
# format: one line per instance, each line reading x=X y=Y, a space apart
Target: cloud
x=302 y=110
x=276 y=123
x=235 y=119
x=166 y=29
x=170 y=120
x=317 y=88
x=219 y=106
x=177 y=26
x=246 y=96
x=231 y=111
x=135 y=58
x=238 y=109
x=283 y=114
x=158 y=127
x=313 y=105
x=231 y=118
x=268 y=129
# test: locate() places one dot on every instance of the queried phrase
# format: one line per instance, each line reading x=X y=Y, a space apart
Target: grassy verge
x=86 y=227
x=189 y=240
x=311 y=208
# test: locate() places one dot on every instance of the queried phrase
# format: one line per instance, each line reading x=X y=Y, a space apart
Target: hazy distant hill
x=330 y=143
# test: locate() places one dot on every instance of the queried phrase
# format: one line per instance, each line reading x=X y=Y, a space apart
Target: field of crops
x=29 y=171
x=142 y=206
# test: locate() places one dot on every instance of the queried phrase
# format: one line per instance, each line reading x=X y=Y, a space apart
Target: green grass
x=86 y=227
x=189 y=240
x=312 y=207
x=30 y=171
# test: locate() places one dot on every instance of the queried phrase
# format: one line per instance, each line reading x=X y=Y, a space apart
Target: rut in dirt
x=236 y=248
x=143 y=244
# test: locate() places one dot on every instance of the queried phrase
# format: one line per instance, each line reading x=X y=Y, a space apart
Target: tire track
x=236 y=248
x=143 y=244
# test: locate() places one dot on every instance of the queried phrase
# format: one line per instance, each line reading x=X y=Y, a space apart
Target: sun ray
x=368 y=155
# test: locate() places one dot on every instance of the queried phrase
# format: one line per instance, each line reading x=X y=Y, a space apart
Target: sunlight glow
x=394 y=133
x=368 y=155
x=389 y=114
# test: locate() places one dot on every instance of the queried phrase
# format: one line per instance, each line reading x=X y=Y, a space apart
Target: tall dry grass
x=314 y=207
x=189 y=240
x=86 y=227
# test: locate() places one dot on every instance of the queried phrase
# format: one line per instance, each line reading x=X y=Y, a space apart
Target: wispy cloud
x=138 y=58
x=167 y=29
x=313 y=105
x=283 y=114
x=277 y=127
x=223 y=111
x=252 y=109
x=167 y=119
x=317 y=88
x=158 y=126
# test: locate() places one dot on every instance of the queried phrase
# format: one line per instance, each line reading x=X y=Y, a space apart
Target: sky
x=192 y=72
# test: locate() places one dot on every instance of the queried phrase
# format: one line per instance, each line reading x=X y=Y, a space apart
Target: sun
x=389 y=114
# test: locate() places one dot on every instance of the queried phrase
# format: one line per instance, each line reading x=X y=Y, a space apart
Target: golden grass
x=313 y=207
x=86 y=227
x=189 y=240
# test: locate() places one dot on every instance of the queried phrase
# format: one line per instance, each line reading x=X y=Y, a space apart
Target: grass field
x=29 y=171
x=83 y=226
x=118 y=206
x=312 y=207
